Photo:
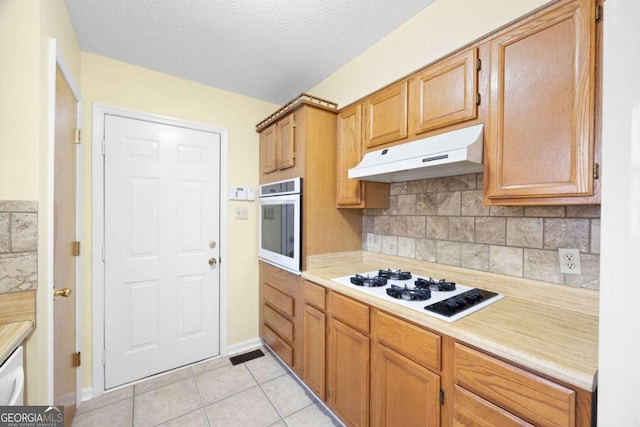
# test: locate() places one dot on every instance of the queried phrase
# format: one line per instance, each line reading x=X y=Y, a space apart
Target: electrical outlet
x=570 y=261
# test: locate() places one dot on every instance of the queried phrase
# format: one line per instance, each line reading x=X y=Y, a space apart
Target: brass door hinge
x=479 y=64
x=77 y=136
x=77 y=360
x=75 y=248
x=478 y=100
x=596 y=171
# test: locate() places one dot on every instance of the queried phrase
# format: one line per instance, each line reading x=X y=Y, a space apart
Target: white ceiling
x=267 y=49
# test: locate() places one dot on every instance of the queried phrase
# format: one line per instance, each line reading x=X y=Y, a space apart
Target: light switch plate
x=242 y=213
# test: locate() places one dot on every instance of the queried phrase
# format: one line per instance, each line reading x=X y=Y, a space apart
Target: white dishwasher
x=12 y=380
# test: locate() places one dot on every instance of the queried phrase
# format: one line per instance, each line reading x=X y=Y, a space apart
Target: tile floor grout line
x=195 y=379
x=266 y=394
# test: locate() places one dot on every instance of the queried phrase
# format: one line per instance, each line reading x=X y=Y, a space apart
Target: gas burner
x=440 y=285
x=407 y=294
x=367 y=281
x=394 y=274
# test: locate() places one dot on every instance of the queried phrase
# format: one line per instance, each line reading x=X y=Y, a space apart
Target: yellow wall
x=19 y=99
x=25 y=29
x=441 y=28
x=109 y=82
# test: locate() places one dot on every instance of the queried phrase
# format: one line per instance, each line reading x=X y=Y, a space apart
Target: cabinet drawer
x=349 y=312
x=314 y=295
x=469 y=408
x=278 y=300
x=279 y=324
x=412 y=341
x=277 y=344
x=528 y=396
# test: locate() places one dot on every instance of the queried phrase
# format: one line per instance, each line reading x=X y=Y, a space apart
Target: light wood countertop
x=556 y=336
x=12 y=335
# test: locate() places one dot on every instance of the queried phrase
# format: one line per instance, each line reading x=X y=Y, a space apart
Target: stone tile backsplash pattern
x=18 y=246
x=443 y=220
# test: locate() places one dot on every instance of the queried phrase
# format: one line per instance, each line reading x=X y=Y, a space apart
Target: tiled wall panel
x=18 y=246
x=443 y=220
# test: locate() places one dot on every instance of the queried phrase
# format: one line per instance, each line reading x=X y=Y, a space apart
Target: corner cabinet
x=540 y=141
x=355 y=193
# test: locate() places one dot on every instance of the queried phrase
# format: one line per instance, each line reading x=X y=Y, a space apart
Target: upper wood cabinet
x=385 y=115
x=268 y=149
x=445 y=93
x=354 y=193
x=277 y=145
x=286 y=142
x=540 y=133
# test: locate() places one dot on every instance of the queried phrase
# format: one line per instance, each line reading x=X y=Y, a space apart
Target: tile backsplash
x=443 y=220
x=18 y=245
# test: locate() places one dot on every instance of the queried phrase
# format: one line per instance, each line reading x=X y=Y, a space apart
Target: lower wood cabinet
x=374 y=368
x=403 y=393
x=281 y=314
x=405 y=389
x=348 y=360
x=472 y=410
x=314 y=339
x=507 y=395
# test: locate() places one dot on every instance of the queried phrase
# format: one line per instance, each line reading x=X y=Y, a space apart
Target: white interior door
x=162 y=209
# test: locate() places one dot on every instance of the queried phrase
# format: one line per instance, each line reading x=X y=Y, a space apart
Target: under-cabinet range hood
x=452 y=153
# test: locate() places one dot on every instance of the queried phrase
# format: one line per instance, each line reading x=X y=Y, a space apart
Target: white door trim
x=56 y=59
x=97 y=207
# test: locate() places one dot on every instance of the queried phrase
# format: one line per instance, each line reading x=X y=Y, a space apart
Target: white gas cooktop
x=448 y=305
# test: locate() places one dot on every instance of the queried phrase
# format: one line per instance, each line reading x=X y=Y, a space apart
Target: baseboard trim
x=87 y=394
x=244 y=346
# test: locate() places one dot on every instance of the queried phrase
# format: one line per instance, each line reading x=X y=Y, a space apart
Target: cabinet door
x=314 y=350
x=445 y=93
x=349 y=154
x=286 y=142
x=540 y=140
x=472 y=410
x=386 y=115
x=348 y=374
x=403 y=392
x=354 y=193
x=268 y=149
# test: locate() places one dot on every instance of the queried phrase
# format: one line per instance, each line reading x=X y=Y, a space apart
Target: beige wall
x=441 y=28
x=109 y=82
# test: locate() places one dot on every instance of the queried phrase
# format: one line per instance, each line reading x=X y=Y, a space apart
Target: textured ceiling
x=267 y=49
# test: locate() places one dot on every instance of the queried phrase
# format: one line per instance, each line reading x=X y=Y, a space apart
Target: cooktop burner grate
x=407 y=294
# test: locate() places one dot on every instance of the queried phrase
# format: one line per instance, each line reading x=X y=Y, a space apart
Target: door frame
x=99 y=111
x=56 y=60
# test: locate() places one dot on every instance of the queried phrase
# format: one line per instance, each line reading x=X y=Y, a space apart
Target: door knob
x=61 y=292
x=212 y=261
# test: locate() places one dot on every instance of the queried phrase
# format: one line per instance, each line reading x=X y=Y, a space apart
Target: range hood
x=453 y=153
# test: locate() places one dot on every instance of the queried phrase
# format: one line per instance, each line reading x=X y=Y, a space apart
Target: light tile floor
x=260 y=392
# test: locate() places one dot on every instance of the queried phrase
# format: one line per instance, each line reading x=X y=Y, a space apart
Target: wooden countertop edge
x=12 y=335
x=323 y=269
